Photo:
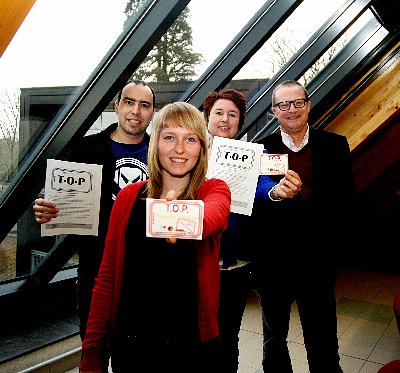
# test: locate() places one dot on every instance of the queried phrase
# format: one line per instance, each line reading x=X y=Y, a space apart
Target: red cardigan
x=217 y=199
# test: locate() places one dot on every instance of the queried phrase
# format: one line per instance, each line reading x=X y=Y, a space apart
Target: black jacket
x=96 y=149
x=326 y=218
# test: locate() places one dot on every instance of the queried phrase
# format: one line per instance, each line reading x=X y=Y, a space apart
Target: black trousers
x=150 y=354
x=85 y=287
x=235 y=288
x=314 y=292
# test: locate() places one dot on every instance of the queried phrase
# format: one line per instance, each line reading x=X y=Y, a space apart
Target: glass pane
x=336 y=47
x=214 y=26
x=8 y=252
x=56 y=46
x=288 y=39
x=59 y=45
x=54 y=51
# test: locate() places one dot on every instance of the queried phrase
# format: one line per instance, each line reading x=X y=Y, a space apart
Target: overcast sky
x=61 y=42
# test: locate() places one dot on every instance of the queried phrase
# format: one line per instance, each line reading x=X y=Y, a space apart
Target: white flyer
x=75 y=188
x=236 y=162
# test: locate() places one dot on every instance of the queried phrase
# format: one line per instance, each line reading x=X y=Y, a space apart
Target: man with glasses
x=297 y=264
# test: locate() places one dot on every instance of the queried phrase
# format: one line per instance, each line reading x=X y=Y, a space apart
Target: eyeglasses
x=285 y=105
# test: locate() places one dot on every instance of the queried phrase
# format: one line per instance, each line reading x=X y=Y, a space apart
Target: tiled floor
x=368 y=335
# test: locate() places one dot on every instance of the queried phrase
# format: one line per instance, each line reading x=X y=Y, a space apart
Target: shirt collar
x=287 y=140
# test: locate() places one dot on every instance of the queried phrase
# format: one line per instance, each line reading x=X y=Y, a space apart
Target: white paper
x=75 y=188
x=177 y=218
x=236 y=162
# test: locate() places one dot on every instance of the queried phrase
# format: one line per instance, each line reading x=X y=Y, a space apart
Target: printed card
x=177 y=218
x=274 y=164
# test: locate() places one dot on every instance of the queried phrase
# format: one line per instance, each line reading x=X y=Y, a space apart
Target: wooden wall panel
x=371 y=124
x=374 y=107
x=372 y=161
x=12 y=14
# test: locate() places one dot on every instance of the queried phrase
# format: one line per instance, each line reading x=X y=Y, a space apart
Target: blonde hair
x=177 y=114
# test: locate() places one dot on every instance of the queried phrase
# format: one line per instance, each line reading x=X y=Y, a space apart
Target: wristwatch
x=273 y=195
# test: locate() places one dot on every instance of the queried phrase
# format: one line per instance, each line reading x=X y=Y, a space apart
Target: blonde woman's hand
x=170 y=197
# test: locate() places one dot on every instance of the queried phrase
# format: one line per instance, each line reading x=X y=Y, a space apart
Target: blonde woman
x=155 y=302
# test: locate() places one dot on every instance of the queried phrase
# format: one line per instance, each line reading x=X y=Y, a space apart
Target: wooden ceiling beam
x=373 y=159
x=12 y=14
x=376 y=105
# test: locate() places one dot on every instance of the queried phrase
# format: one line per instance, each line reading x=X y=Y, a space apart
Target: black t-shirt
x=159 y=287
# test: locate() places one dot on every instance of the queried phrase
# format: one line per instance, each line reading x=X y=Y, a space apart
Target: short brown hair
x=287 y=83
x=237 y=97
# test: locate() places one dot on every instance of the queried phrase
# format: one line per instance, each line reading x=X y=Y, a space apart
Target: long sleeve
x=264 y=184
x=217 y=200
x=108 y=284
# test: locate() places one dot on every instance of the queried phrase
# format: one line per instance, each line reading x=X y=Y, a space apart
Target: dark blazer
x=332 y=199
x=96 y=149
